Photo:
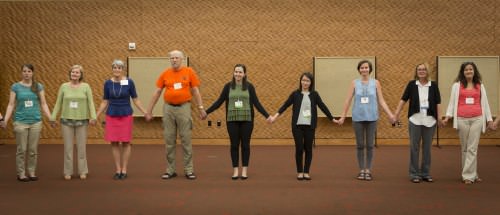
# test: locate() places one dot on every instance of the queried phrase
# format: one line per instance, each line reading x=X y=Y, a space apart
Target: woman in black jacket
x=304 y=119
x=423 y=115
x=240 y=98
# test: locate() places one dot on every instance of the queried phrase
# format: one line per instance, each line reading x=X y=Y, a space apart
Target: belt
x=177 y=105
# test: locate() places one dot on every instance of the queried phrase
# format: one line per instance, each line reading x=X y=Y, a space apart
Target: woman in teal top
x=26 y=98
x=367 y=94
x=75 y=101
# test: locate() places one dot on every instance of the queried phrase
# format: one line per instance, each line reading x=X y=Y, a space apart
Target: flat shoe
x=415 y=180
x=361 y=176
x=33 y=178
x=428 y=179
x=117 y=176
x=234 y=177
x=169 y=175
x=83 y=176
x=300 y=178
x=67 y=177
x=368 y=176
x=191 y=176
x=307 y=177
x=123 y=176
x=25 y=179
x=244 y=177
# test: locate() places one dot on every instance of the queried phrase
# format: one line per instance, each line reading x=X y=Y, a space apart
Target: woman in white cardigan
x=470 y=109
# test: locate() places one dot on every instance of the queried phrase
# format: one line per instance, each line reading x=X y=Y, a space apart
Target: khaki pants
x=27 y=137
x=469 y=131
x=178 y=119
x=79 y=133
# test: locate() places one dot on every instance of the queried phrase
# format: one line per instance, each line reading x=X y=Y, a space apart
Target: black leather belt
x=177 y=105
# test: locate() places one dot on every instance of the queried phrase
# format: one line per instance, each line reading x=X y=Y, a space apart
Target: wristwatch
x=200 y=107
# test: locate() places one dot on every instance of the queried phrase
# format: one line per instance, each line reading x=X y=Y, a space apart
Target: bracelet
x=200 y=107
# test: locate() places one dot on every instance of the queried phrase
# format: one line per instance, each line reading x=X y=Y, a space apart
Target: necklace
x=114 y=92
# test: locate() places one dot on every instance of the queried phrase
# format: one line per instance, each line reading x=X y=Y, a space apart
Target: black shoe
x=244 y=177
x=33 y=178
x=117 y=176
x=428 y=179
x=123 y=176
x=234 y=177
x=25 y=179
x=168 y=175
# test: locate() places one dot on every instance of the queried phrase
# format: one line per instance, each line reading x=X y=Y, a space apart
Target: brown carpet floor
x=270 y=189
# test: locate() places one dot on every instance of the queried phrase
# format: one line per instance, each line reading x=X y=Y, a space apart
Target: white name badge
x=28 y=103
x=306 y=113
x=124 y=82
x=73 y=104
x=469 y=101
x=238 y=104
x=364 y=100
x=177 y=86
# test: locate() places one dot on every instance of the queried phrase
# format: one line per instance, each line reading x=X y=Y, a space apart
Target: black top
x=224 y=97
x=296 y=99
x=411 y=93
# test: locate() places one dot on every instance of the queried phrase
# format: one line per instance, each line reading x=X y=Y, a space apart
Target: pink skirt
x=118 y=128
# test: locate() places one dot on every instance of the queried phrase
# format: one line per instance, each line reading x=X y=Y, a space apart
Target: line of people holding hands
x=75 y=109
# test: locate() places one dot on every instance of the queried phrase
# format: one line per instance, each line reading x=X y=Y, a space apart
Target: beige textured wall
x=276 y=39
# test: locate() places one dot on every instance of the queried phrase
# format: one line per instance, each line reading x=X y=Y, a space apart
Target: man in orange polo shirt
x=181 y=85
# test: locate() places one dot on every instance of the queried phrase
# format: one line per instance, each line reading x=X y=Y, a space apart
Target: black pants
x=303 y=136
x=240 y=132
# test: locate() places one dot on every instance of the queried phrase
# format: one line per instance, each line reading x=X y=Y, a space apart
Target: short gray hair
x=176 y=52
x=119 y=63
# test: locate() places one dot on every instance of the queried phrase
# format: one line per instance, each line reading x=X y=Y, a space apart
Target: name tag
x=469 y=101
x=238 y=104
x=306 y=113
x=177 y=86
x=73 y=104
x=364 y=100
x=124 y=82
x=28 y=104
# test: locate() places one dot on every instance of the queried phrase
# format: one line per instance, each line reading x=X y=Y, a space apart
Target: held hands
x=341 y=120
x=492 y=126
x=53 y=124
x=203 y=114
x=148 y=116
x=93 y=122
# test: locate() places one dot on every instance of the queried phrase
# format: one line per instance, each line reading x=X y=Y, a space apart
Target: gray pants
x=420 y=133
x=365 y=138
x=27 y=137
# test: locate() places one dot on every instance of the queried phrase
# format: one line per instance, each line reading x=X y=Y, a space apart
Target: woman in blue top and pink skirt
x=118 y=91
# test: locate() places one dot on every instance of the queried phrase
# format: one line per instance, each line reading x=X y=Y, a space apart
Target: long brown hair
x=34 y=84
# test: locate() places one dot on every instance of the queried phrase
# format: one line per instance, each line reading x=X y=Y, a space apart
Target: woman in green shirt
x=26 y=98
x=75 y=101
x=240 y=98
